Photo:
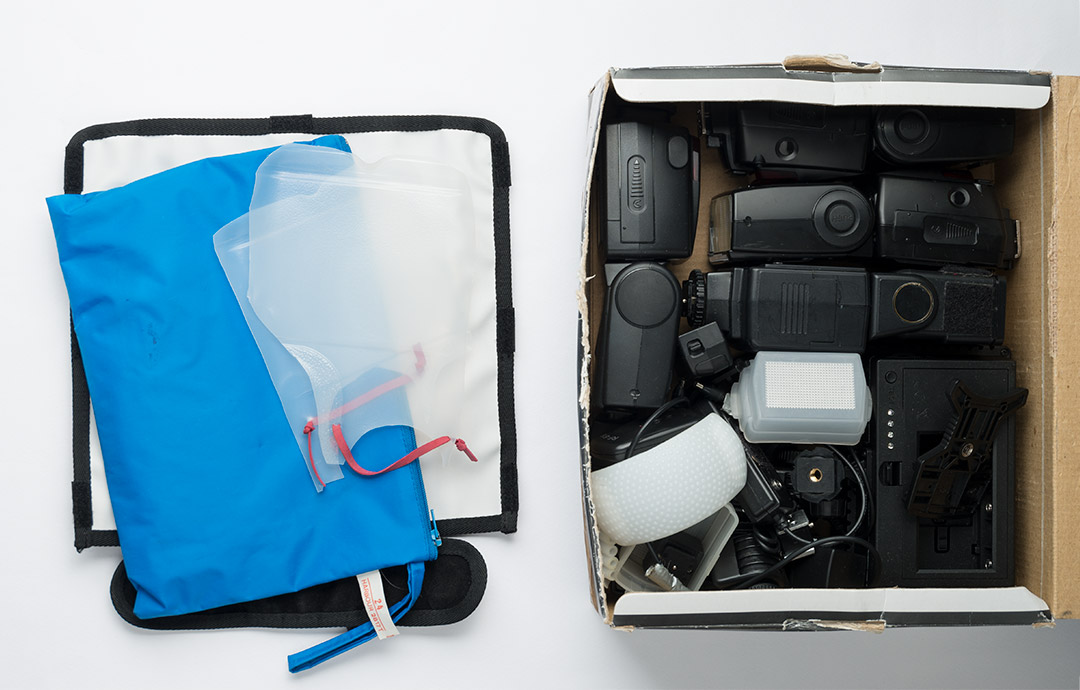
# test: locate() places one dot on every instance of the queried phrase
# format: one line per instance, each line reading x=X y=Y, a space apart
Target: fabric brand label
x=378 y=610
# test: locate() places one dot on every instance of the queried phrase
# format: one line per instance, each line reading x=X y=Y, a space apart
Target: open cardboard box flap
x=1043 y=330
x=813 y=82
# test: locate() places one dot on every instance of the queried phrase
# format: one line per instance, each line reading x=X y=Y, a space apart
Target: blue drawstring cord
x=309 y=658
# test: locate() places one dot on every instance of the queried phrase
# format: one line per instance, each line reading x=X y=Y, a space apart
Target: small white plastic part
x=609 y=558
x=718 y=531
x=714 y=533
x=801 y=397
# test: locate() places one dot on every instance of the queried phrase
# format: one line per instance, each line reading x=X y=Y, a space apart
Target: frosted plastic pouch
x=353 y=278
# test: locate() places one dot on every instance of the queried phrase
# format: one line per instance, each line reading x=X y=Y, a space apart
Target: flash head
x=929 y=134
x=802 y=139
x=791 y=221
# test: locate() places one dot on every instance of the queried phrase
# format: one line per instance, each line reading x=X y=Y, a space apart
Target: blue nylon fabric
x=212 y=499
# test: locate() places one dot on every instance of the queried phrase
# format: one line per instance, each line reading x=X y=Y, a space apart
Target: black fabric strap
x=81 y=499
x=506 y=521
x=454 y=584
x=284 y=124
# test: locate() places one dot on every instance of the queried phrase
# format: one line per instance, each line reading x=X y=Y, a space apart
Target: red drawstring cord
x=375 y=392
x=339 y=437
x=381 y=389
x=414 y=455
x=308 y=428
x=346 y=452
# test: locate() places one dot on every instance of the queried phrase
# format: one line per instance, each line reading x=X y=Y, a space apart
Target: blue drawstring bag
x=213 y=504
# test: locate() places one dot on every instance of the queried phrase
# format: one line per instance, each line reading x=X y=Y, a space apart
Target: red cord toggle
x=460 y=443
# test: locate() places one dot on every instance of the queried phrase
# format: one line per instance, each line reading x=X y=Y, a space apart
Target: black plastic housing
x=940 y=221
x=919 y=135
x=780 y=307
x=803 y=221
x=652 y=191
x=705 y=352
x=636 y=345
x=816 y=475
x=764 y=497
x=944 y=306
x=805 y=140
x=610 y=441
x=912 y=410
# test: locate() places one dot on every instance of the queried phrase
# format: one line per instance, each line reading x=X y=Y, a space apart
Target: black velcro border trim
x=286 y=124
x=506 y=521
x=504 y=338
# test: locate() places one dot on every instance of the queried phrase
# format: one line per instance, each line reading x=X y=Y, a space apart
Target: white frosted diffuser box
x=801 y=397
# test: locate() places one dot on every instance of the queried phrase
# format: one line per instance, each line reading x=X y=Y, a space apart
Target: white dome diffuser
x=672 y=486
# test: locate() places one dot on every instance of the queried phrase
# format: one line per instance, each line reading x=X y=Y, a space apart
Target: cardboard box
x=1036 y=184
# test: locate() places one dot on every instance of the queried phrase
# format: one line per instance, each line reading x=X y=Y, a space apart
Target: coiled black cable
x=831 y=542
x=750 y=556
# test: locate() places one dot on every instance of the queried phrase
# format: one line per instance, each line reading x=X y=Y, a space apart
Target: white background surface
x=528 y=67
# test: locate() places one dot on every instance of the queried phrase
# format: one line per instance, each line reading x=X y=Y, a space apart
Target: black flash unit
x=652 y=191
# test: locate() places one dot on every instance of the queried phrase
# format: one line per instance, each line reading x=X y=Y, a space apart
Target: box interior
x=1034 y=183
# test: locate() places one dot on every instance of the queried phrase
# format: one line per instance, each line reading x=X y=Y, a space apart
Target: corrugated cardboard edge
x=1047 y=623
x=832 y=62
x=1024 y=184
x=1063 y=350
x=596 y=104
x=597 y=97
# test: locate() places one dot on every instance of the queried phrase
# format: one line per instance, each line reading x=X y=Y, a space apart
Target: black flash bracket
x=952 y=478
